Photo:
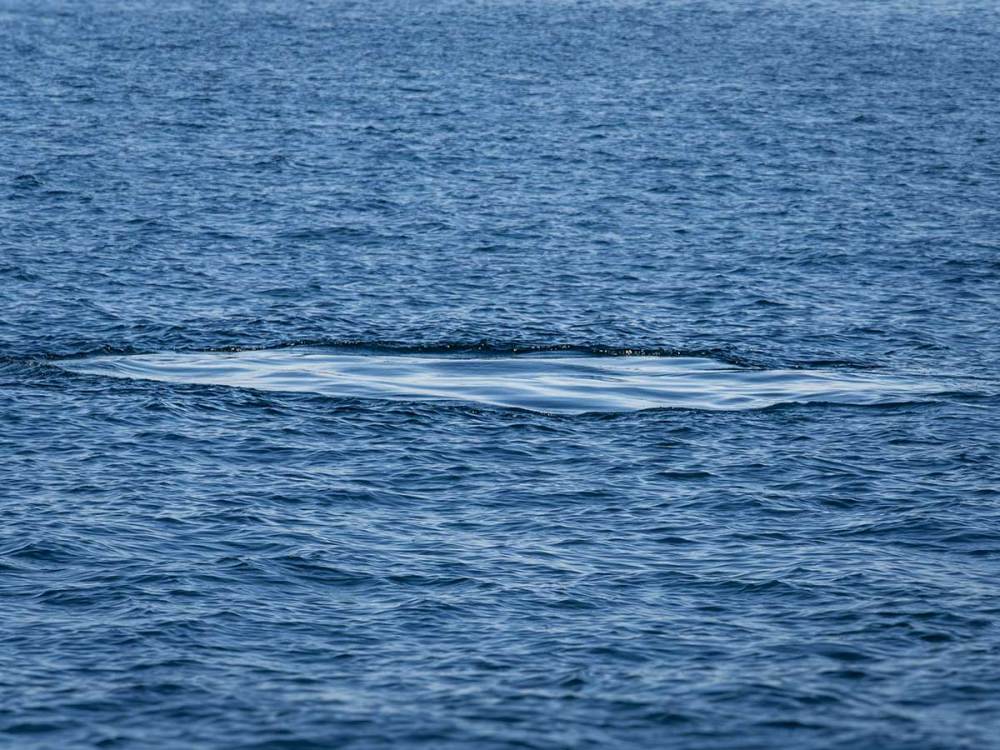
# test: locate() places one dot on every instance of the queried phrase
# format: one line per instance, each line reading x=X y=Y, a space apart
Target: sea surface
x=497 y=374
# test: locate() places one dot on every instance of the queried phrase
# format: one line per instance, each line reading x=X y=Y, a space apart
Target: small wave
x=493 y=348
x=484 y=348
x=552 y=380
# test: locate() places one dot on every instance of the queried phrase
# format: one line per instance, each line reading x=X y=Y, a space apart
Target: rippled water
x=494 y=374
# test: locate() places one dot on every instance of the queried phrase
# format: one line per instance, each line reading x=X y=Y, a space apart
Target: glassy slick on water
x=539 y=382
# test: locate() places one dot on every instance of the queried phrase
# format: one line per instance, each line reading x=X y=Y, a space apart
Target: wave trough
x=554 y=383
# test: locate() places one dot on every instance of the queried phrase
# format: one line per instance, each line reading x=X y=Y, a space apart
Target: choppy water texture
x=367 y=269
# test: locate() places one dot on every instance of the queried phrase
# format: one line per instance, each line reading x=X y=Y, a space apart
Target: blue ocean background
x=785 y=189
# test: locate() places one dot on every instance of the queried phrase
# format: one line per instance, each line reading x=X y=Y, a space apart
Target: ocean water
x=499 y=374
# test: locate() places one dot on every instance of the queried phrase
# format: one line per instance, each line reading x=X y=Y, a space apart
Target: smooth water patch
x=539 y=382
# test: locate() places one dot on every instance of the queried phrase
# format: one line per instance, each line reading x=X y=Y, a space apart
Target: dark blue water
x=498 y=374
